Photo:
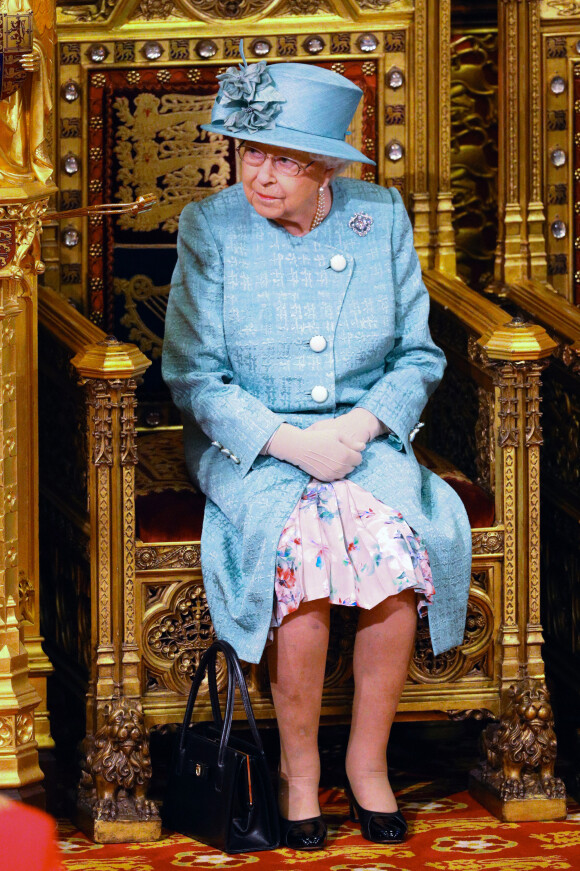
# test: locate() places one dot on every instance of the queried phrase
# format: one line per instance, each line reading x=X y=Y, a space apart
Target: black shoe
x=303 y=834
x=379 y=827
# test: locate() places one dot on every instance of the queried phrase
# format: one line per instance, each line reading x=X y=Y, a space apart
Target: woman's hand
x=319 y=451
x=358 y=425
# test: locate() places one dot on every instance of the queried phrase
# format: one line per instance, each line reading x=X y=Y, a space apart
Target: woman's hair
x=338 y=164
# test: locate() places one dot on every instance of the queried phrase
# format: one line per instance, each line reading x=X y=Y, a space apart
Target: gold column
x=517 y=354
x=18 y=754
x=521 y=249
x=432 y=196
x=25 y=185
x=109 y=369
x=26 y=338
x=445 y=255
x=421 y=202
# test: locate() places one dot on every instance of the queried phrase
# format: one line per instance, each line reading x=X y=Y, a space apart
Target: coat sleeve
x=415 y=365
x=196 y=366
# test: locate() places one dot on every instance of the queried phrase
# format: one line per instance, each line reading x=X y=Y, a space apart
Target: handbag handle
x=235 y=676
x=234 y=667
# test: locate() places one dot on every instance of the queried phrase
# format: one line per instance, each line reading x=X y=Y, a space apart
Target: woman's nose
x=266 y=171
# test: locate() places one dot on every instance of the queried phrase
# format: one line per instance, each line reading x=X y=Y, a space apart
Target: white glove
x=322 y=453
x=357 y=425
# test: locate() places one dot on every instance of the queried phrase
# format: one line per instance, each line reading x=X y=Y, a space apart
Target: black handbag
x=219 y=790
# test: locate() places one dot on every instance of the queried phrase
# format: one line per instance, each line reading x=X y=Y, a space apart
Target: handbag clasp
x=198 y=769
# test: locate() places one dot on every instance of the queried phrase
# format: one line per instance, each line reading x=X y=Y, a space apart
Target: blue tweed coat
x=246 y=298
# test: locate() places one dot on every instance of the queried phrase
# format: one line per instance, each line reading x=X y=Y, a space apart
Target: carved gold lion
x=521 y=748
x=117 y=769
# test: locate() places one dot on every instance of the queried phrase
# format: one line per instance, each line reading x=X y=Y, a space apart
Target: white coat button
x=317 y=343
x=338 y=262
x=319 y=393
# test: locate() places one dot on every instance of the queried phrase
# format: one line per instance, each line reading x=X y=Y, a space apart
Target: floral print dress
x=342 y=543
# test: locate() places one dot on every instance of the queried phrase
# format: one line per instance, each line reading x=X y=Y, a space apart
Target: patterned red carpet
x=448 y=832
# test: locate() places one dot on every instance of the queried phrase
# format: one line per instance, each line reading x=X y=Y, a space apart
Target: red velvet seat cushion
x=172 y=515
x=479 y=505
x=177 y=515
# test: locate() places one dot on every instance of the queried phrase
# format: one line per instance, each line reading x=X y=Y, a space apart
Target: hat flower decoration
x=247 y=98
x=291 y=105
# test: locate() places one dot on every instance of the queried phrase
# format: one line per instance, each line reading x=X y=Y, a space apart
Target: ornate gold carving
x=378 y=5
x=158 y=154
x=101 y=10
x=395 y=41
x=175 y=636
x=532 y=396
x=471 y=714
x=534 y=535
x=455 y=663
x=26 y=217
x=520 y=750
x=476 y=353
x=444 y=85
x=287 y=46
x=99 y=400
x=117 y=769
x=149 y=9
x=488 y=542
x=512 y=66
x=26 y=596
x=421 y=96
x=211 y=9
x=129 y=552
x=128 y=422
x=535 y=153
x=484 y=440
x=182 y=556
x=564 y=7
x=340 y=44
x=103 y=550
x=24 y=727
x=304 y=7
x=508 y=435
x=7 y=243
x=474 y=154
x=509 y=503
x=569 y=357
x=6 y=733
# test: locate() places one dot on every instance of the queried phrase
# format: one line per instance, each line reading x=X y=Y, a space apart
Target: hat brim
x=288 y=138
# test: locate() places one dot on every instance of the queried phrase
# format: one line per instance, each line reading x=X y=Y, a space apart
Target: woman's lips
x=265 y=198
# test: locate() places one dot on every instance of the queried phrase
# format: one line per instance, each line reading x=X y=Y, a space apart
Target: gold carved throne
x=123 y=597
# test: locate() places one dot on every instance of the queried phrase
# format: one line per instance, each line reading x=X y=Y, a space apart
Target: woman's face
x=283 y=198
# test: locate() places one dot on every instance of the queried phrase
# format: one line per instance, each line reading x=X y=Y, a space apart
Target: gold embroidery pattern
x=161 y=150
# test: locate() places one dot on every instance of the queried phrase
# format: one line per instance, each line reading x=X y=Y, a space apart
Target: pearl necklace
x=320 y=213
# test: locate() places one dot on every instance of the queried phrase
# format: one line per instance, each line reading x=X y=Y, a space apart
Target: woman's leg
x=296 y=661
x=383 y=647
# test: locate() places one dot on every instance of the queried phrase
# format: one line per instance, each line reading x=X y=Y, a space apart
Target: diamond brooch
x=360 y=223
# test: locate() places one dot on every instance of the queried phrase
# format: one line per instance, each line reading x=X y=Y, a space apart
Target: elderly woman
x=298 y=350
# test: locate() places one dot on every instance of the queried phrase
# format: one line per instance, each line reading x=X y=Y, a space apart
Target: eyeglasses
x=284 y=165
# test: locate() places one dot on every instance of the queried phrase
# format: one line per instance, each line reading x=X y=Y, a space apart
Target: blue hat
x=296 y=105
